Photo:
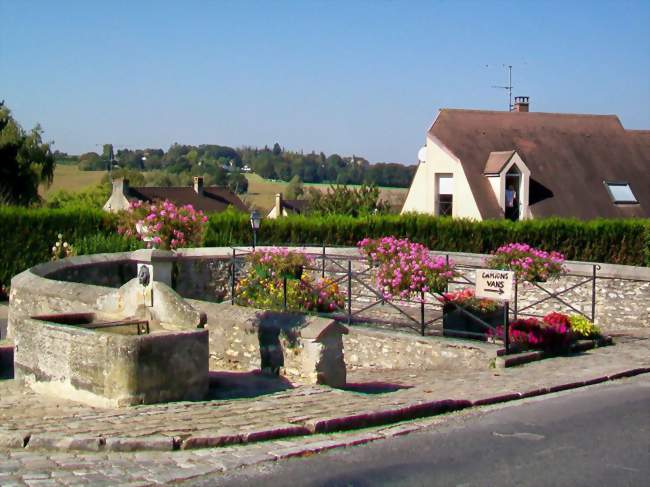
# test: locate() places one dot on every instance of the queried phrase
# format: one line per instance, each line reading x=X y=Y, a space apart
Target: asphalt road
x=592 y=437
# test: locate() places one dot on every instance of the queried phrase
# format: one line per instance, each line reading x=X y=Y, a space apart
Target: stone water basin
x=108 y=363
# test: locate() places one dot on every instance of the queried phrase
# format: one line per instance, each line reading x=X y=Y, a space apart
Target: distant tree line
x=223 y=165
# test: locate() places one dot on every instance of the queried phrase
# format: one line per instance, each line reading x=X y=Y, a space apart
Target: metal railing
x=353 y=274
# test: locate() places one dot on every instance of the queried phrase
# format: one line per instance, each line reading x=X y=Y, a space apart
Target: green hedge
x=614 y=241
x=28 y=234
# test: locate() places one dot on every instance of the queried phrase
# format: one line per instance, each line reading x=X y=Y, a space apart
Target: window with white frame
x=620 y=192
x=445 y=194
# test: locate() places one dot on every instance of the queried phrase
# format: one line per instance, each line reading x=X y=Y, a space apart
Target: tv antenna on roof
x=509 y=87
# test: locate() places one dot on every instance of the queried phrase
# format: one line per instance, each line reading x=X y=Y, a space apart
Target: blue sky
x=362 y=77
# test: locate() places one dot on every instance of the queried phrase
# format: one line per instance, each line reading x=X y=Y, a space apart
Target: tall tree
x=294 y=189
x=107 y=154
x=25 y=161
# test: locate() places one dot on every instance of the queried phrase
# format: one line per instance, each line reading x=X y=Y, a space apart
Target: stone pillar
x=322 y=359
x=160 y=262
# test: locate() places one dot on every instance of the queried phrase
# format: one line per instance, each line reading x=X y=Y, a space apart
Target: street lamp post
x=256 y=219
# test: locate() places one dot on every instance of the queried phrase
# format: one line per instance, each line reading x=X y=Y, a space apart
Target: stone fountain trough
x=141 y=343
x=111 y=364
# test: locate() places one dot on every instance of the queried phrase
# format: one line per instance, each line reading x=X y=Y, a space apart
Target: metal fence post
x=323 y=272
x=593 y=293
x=232 y=278
x=506 y=326
x=422 y=324
x=516 y=297
x=447 y=262
x=349 y=292
x=284 y=293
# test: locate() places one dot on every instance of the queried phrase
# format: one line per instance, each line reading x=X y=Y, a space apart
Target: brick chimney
x=198 y=184
x=521 y=104
x=278 y=204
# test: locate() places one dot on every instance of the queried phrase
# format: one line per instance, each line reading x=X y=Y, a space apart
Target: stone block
x=111 y=370
x=307 y=349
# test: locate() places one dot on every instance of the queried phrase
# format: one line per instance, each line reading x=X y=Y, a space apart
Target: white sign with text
x=494 y=284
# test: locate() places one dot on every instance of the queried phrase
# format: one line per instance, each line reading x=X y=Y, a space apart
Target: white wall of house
x=422 y=194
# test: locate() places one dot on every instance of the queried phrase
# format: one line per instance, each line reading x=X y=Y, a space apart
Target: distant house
x=284 y=207
x=209 y=199
x=490 y=164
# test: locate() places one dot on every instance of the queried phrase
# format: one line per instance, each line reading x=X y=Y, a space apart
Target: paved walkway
x=375 y=396
x=260 y=419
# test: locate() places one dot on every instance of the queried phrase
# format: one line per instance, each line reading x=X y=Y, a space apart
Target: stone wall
x=368 y=348
x=110 y=274
x=304 y=348
x=111 y=370
x=236 y=339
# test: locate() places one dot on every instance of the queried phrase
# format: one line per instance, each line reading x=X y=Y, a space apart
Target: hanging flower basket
x=528 y=263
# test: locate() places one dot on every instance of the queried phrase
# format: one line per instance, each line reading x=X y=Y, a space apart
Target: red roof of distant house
x=213 y=199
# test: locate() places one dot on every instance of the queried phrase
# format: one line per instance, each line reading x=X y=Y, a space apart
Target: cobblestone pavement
x=52 y=423
x=32 y=468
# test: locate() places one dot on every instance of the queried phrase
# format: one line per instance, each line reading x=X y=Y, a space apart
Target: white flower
x=65 y=245
x=54 y=249
x=58 y=244
x=60 y=236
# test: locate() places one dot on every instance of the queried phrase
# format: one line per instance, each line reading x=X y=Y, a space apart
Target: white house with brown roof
x=520 y=164
x=284 y=207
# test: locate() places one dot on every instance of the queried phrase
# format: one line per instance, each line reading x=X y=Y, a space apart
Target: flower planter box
x=459 y=324
x=520 y=357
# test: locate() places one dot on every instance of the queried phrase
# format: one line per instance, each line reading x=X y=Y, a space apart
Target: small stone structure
x=109 y=366
x=307 y=349
x=109 y=369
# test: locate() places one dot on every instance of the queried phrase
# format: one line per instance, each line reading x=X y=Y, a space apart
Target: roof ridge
x=503 y=112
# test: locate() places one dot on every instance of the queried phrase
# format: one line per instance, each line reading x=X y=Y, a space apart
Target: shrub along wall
x=27 y=235
x=613 y=241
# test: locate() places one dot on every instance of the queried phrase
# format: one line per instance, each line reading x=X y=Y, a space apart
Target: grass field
x=70 y=178
x=261 y=192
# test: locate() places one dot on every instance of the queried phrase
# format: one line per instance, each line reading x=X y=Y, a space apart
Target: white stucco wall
x=422 y=193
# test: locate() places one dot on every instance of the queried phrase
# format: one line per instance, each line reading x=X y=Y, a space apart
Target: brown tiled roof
x=213 y=200
x=299 y=206
x=497 y=161
x=569 y=157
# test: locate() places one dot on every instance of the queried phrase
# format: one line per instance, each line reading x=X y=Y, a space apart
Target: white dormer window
x=620 y=192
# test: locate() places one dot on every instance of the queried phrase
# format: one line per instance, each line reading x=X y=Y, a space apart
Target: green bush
x=101 y=243
x=614 y=241
x=29 y=234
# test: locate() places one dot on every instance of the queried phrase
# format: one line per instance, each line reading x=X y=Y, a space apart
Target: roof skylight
x=620 y=192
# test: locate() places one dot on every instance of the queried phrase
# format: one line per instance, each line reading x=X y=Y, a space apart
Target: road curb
x=45 y=441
